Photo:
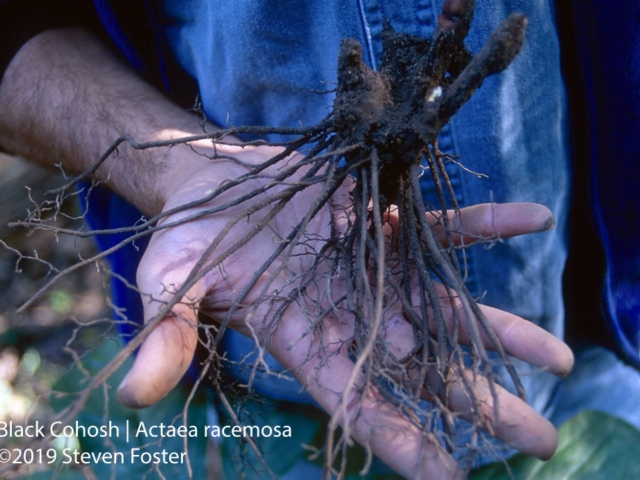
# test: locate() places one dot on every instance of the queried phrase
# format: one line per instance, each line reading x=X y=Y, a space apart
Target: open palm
x=253 y=266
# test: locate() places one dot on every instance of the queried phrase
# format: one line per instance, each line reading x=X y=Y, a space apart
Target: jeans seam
x=367 y=34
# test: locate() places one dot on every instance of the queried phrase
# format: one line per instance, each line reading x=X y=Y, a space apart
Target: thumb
x=167 y=352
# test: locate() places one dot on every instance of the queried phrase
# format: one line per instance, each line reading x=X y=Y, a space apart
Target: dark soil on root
x=399 y=110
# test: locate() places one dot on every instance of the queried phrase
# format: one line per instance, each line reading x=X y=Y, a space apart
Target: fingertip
x=550 y=224
x=141 y=388
x=527 y=216
x=547 y=448
x=537 y=437
x=130 y=398
x=541 y=217
x=162 y=361
x=554 y=356
x=566 y=362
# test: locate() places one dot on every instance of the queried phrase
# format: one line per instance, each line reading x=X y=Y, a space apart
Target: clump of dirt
x=400 y=110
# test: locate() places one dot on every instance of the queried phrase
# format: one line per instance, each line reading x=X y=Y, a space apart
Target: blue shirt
x=259 y=62
x=262 y=63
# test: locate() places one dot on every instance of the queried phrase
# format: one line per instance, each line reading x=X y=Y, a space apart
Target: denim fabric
x=608 y=44
x=259 y=62
x=599 y=382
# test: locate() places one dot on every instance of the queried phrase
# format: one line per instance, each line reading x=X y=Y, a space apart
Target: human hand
x=43 y=65
x=318 y=356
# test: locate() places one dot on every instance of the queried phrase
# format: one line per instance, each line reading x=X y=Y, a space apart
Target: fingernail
x=126 y=396
x=550 y=223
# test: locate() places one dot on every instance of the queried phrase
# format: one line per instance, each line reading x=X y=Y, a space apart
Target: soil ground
x=32 y=355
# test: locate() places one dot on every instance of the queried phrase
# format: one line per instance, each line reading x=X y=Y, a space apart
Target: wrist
x=146 y=177
x=65 y=98
x=190 y=171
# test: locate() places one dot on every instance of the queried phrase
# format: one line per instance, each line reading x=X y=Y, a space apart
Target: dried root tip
x=350 y=64
x=456 y=17
x=504 y=43
x=498 y=52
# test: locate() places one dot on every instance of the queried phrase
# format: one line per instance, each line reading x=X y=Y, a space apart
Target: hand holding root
x=363 y=301
x=347 y=282
x=297 y=304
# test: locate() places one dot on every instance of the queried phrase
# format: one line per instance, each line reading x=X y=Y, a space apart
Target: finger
x=484 y=222
x=492 y=221
x=520 y=338
x=525 y=340
x=513 y=422
x=516 y=424
x=167 y=352
x=371 y=420
x=321 y=363
x=161 y=362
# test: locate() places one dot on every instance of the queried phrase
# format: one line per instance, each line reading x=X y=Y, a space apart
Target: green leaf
x=280 y=452
x=61 y=302
x=591 y=445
